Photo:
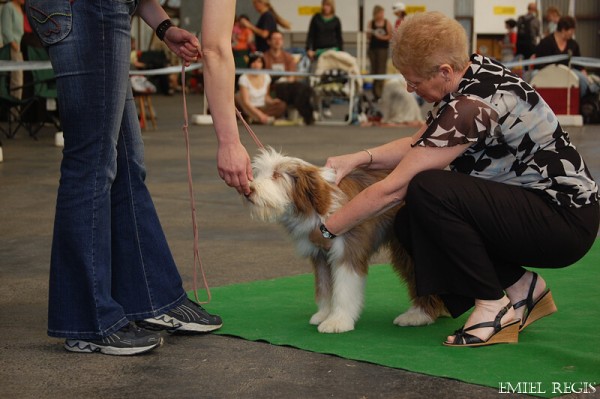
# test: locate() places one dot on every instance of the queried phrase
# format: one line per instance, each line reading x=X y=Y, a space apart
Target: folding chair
x=44 y=92
x=12 y=108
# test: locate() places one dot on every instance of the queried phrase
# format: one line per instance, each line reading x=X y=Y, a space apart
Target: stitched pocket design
x=51 y=19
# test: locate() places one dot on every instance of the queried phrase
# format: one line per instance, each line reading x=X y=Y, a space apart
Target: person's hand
x=245 y=23
x=311 y=54
x=183 y=43
x=233 y=163
x=342 y=165
x=316 y=237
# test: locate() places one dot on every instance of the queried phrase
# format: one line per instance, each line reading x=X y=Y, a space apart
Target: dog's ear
x=311 y=192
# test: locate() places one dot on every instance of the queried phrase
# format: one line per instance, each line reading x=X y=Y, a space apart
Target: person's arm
x=6 y=25
x=386 y=156
x=290 y=66
x=310 y=39
x=370 y=30
x=338 y=35
x=233 y=161
x=389 y=30
x=264 y=33
x=391 y=191
x=180 y=41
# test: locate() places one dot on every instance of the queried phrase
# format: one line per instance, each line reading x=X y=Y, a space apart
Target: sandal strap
x=529 y=300
x=462 y=337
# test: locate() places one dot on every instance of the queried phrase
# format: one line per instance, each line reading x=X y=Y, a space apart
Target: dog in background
x=299 y=195
x=298 y=95
x=398 y=106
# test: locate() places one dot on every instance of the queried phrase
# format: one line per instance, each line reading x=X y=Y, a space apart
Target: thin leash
x=249 y=129
x=186 y=134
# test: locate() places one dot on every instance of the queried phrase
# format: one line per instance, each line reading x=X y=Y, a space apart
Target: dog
x=398 y=106
x=299 y=195
x=298 y=95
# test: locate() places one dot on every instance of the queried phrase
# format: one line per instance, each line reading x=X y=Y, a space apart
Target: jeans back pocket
x=50 y=19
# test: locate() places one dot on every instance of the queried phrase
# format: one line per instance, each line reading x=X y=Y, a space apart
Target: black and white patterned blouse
x=516 y=138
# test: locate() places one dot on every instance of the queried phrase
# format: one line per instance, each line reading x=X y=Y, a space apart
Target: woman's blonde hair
x=425 y=41
x=331 y=3
x=284 y=23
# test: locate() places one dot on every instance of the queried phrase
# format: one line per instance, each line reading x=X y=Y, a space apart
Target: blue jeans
x=110 y=260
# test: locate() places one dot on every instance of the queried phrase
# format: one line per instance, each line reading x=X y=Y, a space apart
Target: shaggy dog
x=398 y=106
x=299 y=195
x=298 y=95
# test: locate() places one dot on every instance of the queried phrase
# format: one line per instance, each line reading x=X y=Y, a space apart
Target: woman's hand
x=183 y=43
x=233 y=163
x=344 y=164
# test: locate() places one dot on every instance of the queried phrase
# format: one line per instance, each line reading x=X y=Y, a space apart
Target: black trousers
x=470 y=238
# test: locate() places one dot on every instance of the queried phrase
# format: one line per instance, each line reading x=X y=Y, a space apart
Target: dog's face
x=287 y=187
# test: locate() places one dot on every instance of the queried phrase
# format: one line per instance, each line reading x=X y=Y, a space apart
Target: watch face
x=325 y=232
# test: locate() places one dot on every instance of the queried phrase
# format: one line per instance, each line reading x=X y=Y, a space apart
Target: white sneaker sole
x=78 y=346
x=171 y=324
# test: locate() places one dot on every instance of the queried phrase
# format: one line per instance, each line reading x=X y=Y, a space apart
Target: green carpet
x=562 y=348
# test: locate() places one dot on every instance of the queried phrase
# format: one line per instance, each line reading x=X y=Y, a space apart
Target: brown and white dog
x=299 y=195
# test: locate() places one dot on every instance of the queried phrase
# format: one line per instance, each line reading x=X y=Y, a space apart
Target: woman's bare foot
x=486 y=311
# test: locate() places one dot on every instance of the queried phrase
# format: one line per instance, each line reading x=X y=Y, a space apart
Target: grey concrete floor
x=233 y=248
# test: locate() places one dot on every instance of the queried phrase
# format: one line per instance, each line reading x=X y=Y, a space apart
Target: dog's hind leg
x=323 y=283
x=424 y=309
x=346 y=301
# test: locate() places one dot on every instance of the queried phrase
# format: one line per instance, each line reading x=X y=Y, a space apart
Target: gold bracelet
x=370 y=157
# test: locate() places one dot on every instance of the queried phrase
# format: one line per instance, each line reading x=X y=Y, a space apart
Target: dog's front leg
x=323 y=283
x=346 y=301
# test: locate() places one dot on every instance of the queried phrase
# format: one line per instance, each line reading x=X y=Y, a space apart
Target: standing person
x=242 y=41
x=324 y=31
x=111 y=265
x=267 y=23
x=12 y=29
x=509 y=41
x=517 y=193
x=399 y=10
x=379 y=34
x=528 y=31
x=552 y=16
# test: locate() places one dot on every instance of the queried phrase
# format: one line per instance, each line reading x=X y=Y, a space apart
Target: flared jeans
x=110 y=261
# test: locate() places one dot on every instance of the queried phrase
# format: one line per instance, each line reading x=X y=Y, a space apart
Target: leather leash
x=186 y=134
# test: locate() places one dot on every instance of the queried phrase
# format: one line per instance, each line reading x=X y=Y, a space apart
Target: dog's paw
x=336 y=324
x=318 y=317
x=413 y=317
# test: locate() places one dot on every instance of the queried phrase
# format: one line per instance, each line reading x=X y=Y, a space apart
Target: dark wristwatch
x=161 y=29
x=326 y=233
